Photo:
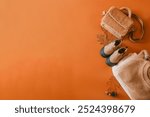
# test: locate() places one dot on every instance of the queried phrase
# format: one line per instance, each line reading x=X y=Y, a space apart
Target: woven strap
x=132 y=36
x=132 y=32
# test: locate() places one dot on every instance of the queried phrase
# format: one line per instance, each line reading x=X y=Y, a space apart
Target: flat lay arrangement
x=74 y=58
x=130 y=69
x=49 y=48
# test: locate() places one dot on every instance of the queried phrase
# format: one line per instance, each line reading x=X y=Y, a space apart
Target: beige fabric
x=116 y=22
x=110 y=48
x=133 y=74
x=116 y=56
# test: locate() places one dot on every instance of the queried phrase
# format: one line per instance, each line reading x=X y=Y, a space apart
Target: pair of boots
x=113 y=52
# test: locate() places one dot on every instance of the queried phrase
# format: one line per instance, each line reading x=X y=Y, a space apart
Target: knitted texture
x=116 y=22
x=133 y=74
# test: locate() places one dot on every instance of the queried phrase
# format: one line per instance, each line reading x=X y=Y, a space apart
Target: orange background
x=48 y=48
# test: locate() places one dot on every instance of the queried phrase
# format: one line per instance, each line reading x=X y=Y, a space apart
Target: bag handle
x=144 y=54
x=127 y=9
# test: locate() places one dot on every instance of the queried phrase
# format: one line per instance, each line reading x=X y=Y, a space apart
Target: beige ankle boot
x=116 y=56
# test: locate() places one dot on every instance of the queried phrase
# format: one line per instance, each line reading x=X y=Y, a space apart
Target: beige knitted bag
x=120 y=23
x=133 y=74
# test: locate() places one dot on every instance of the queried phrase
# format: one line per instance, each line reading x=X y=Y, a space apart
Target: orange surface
x=49 y=50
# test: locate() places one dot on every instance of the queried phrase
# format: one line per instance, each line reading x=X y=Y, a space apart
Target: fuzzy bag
x=133 y=74
x=119 y=22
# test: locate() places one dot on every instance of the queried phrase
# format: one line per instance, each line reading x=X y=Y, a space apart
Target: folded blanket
x=133 y=74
